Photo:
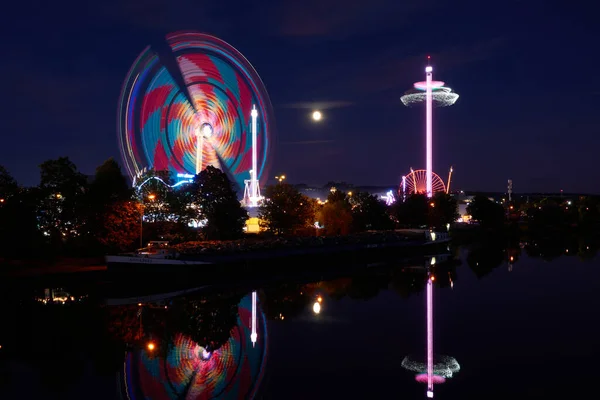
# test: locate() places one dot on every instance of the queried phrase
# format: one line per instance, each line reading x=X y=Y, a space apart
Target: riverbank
x=262 y=244
x=224 y=251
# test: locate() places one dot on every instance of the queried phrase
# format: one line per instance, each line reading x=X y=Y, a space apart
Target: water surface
x=523 y=331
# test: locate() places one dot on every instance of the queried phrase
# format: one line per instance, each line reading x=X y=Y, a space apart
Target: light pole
x=151 y=197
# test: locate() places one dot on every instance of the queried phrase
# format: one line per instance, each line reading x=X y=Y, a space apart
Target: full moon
x=316 y=115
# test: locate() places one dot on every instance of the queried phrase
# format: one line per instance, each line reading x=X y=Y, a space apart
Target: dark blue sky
x=525 y=71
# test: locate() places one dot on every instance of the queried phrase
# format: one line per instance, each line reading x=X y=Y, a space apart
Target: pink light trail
x=429 y=129
x=430 y=337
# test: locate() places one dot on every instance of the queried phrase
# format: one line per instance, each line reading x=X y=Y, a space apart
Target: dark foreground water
x=521 y=332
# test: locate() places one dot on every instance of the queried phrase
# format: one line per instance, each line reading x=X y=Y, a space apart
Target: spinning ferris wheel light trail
x=206 y=106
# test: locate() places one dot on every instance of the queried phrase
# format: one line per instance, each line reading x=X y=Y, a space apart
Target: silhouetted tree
x=61 y=193
x=8 y=185
x=487 y=212
x=443 y=210
x=285 y=209
x=217 y=202
x=109 y=184
x=19 y=232
x=369 y=213
x=413 y=212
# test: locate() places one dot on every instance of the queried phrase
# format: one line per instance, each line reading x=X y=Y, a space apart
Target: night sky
x=525 y=71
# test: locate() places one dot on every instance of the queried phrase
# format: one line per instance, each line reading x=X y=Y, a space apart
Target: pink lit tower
x=432 y=93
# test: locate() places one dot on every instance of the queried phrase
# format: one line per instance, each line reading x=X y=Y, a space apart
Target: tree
x=106 y=196
x=413 y=212
x=109 y=184
x=368 y=212
x=336 y=214
x=120 y=225
x=61 y=191
x=443 y=210
x=8 y=185
x=487 y=212
x=217 y=202
x=19 y=233
x=285 y=209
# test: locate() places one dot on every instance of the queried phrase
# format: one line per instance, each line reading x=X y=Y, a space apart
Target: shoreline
x=231 y=251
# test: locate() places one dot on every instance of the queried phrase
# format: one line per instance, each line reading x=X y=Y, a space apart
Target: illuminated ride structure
x=189 y=371
x=416 y=183
x=437 y=368
x=199 y=103
x=432 y=93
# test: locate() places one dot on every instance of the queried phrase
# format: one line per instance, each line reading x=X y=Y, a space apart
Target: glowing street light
x=151 y=346
x=317 y=307
x=317 y=116
x=280 y=178
x=151 y=196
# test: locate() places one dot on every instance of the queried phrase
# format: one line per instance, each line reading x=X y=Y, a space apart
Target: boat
x=159 y=257
x=156 y=253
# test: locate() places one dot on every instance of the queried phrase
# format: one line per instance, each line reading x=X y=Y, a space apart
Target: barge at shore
x=160 y=257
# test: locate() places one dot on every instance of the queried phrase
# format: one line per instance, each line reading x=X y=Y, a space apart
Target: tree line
x=581 y=213
x=71 y=214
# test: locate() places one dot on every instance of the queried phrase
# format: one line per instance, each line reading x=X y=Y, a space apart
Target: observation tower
x=432 y=93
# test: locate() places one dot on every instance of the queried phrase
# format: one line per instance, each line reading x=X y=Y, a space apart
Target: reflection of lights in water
x=316 y=307
x=422 y=378
x=436 y=369
x=184 y=369
x=443 y=366
x=430 y=337
x=253 y=335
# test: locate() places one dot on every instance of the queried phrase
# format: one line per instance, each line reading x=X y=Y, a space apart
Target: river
x=500 y=329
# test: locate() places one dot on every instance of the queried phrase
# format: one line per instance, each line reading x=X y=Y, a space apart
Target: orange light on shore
x=320 y=299
x=151 y=346
x=432 y=278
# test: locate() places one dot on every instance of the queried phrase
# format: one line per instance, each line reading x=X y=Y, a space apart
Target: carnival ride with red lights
x=201 y=103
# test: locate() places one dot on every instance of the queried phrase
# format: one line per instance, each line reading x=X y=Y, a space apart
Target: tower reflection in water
x=187 y=370
x=436 y=368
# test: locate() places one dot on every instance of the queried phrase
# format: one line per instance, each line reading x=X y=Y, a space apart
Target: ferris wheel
x=416 y=182
x=187 y=369
x=199 y=104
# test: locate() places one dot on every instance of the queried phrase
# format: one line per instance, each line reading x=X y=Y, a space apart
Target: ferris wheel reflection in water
x=191 y=370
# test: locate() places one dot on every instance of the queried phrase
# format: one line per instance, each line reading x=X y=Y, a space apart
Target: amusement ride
x=432 y=93
x=200 y=103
